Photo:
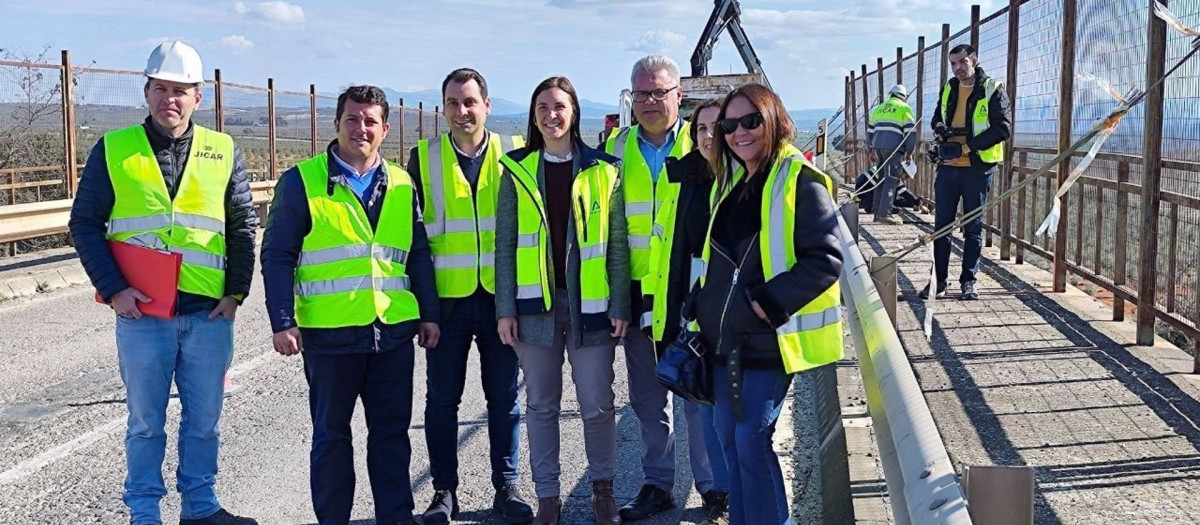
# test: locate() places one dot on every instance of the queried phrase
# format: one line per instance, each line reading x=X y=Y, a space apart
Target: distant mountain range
x=502 y=109
x=431 y=98
x=809 y=119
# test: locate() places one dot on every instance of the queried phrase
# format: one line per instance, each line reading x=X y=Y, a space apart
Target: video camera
x=942 y=149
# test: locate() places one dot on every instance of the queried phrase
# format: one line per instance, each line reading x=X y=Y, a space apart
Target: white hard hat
x=899 y=91
x=175 y=61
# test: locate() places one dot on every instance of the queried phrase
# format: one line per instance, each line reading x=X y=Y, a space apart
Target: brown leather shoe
x=603 y=504
x=549 y=511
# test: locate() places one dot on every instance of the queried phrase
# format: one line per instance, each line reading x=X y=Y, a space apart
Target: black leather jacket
x=722 y=307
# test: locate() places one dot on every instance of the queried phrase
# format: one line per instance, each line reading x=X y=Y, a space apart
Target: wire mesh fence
x=32 y=155
x=1105 y=237
x=49 y=128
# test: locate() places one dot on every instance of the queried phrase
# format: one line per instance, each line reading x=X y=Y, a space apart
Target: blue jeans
x=757 y=495
x=712 y=448
x=472 y=318
x=194 y=353
x=970 y=185
x=384 y=381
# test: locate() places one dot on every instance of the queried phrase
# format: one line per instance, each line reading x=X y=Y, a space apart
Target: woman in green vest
x=560 y=242
x=768 y=300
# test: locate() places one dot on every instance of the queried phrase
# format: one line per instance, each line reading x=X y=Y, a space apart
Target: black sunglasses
x=749 y=121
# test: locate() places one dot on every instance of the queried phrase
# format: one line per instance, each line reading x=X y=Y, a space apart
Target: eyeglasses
x=657 y=94
x=749 y=121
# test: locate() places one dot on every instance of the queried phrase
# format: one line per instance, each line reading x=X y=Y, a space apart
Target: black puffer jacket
x=687 y=240
x=999 y=124
x=722 y=306
x=94 y=202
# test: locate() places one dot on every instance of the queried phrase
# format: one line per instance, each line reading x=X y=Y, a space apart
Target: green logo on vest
x=595 y=207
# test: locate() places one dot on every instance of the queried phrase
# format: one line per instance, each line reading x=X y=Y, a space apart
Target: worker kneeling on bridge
x=971 y=123
x=349 y=282
x=170 y=184
x=768 y=301
x=458 y=187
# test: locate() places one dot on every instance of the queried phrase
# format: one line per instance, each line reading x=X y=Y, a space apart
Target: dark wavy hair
x=777 y=124
x=536 y=141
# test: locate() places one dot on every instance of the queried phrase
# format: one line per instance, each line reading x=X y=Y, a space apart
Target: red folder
x=152 y=272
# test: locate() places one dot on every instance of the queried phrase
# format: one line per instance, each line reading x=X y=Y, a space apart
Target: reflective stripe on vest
x=460 y=220
x=811 y=337
x=193 y=223
x=350 y=274
x=979 y=118
x=591 y=194
x=644 y=193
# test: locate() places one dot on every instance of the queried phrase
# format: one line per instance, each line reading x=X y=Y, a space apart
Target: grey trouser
x=592 y=373
x=702 y=472
x=885 y=192
x=652 y=405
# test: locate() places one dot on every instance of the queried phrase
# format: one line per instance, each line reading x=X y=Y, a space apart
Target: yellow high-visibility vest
x=193 y=223
x=461 y=223
x=645 y=196
x=591 y=195
x=349 y=273
x=811 y=337
x=979 y=118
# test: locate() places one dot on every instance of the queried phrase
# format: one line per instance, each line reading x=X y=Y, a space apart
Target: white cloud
x=235 y=43
x=277 y=12
x=657 y=42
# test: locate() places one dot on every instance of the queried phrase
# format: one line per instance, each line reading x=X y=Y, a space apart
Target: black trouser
x=969 y=185
x=384 y=381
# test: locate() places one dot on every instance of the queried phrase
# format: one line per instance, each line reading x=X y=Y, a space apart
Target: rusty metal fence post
x=847 y=169
x=862 y=152
x=217 y=101
x=900 y=64
x=272 y=160
x=879 y=80
x=1014 y=34
x=403 y=150
x=420 y=120
x=71 y=172
x=1066 y=100
x=437 y=122
x=1156 y=43
x=312 y=120
x=1120 y=264
x=922 y=168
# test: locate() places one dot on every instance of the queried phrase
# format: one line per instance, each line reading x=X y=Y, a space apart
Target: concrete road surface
x=62 y=418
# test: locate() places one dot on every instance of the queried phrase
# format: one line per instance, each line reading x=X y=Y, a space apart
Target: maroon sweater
x=558 y=178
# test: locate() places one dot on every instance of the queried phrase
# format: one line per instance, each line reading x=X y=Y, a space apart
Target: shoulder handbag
x=685 y=369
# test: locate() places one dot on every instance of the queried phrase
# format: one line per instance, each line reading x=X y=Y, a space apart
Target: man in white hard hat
x=892 y=138
x=171 y=185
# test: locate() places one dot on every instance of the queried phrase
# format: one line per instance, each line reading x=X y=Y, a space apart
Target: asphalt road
x=62 y=419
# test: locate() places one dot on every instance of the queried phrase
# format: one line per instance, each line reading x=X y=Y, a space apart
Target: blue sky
x=807 y=47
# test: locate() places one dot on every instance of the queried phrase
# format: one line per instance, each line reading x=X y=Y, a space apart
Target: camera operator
x=972 y=123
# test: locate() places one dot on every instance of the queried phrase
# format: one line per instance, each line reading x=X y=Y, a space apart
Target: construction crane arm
x=726 y=16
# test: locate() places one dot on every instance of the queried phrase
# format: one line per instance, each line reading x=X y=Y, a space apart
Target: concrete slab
x=1026 y=377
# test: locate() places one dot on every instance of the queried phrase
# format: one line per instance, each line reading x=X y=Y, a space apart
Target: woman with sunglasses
x=560 y=242
x=768 y=302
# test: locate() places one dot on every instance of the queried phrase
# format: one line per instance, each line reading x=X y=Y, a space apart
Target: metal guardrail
x=922 y=484
x=36 y=219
